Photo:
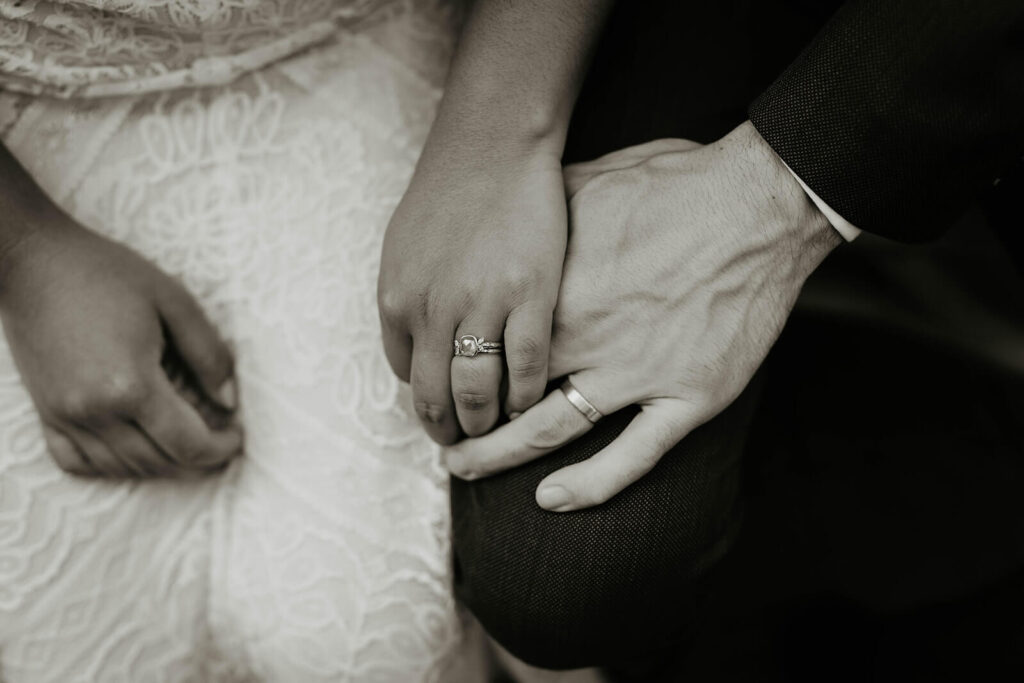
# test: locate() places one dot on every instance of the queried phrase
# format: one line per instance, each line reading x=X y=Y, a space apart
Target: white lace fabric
x=90 y=48
x=323 y=553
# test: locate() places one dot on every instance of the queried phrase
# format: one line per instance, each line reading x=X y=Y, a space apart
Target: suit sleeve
x=900 y=113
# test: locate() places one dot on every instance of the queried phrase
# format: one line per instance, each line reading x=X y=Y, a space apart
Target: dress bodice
x=93 y=48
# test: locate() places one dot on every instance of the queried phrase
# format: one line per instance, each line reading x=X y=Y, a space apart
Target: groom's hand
x=683 y=263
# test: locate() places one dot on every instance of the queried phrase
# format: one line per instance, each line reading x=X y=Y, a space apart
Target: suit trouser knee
x=612 y=583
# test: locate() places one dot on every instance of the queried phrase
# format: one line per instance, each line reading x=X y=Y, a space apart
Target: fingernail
x=228 y=394
x=513 y=416
x=554 y=498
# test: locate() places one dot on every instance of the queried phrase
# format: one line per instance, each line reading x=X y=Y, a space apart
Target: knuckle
x=520 y=281
x=75 y=405
x=120 y=394
x=426 y=310
x=528 y=366
x=391 y=304
x=430 y=413
x=530 y=349
x=124 y=392
x=473 y=401
x=441 y=302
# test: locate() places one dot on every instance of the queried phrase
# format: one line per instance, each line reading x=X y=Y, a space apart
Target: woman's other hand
x=99 y=335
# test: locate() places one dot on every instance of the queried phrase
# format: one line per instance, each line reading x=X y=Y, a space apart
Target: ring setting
x=468 y=345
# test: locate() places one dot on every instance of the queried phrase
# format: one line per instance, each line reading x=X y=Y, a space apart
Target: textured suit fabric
x=613 y=583
x=900 y=113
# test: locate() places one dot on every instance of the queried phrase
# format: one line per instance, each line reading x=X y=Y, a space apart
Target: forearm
x=517 y=72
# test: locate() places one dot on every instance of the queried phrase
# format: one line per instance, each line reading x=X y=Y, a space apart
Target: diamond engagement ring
x=469 y=346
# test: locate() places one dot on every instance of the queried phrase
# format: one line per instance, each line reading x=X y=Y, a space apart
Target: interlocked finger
x=547 y=426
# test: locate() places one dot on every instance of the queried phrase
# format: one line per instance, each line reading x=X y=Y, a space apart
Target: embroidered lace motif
x=112 y=47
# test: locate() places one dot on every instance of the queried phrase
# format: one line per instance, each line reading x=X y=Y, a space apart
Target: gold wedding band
x=579 y=403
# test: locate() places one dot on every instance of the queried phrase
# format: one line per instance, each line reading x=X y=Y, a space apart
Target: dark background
x=883 y=535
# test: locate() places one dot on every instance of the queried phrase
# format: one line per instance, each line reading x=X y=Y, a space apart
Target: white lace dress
x=323 y=553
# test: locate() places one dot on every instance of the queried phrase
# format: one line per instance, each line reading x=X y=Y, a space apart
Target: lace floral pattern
x=323 y=553
x=112 y=47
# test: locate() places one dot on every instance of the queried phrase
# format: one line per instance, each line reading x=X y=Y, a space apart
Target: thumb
x=200 y=346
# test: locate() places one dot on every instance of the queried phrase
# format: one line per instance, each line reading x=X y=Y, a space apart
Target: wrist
x=25 y=210
x=27 y=236
x=467 y=154
x=790 y=213
x=481 y=148
x=491 y=124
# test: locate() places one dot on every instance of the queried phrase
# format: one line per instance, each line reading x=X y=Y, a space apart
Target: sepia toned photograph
x=511 y=341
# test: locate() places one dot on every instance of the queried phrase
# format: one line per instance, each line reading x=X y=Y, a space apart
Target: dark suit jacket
x=898 y=113
x=901 y=112
x=610 y=584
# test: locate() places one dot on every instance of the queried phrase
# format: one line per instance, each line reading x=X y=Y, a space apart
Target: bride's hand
x=94 y=329
x=476 y=245
x=475 y=248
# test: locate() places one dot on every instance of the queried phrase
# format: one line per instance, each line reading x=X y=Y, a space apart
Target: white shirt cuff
x=844 y=227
